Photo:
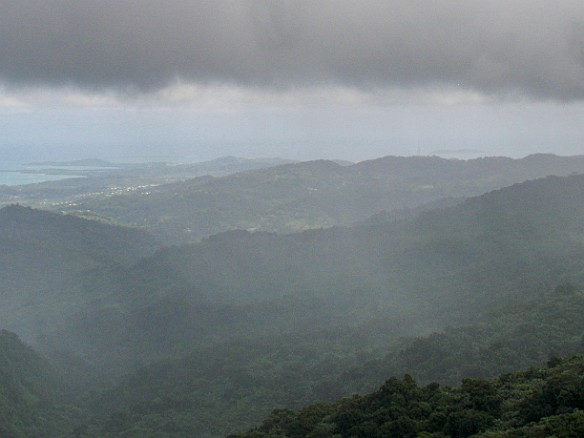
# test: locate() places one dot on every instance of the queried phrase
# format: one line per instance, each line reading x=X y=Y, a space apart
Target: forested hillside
x=48 y=261
x=315 y=194
x=451 y=266
x=413 y=267
x=221 y=388
x=244 y=322
x=206 y=339
x=534 y=403
x=30 y=393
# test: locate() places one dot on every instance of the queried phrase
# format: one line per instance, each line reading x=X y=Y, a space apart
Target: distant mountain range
x=286 y=314
x=206 y=338
x=97 y=179
x=316 y=194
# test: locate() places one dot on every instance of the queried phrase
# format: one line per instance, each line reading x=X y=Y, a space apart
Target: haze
x=262 y=220
x=186 y=80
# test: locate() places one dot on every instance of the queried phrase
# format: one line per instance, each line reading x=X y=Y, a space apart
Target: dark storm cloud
x=527 y=47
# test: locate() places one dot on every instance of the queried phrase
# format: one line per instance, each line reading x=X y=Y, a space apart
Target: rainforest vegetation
x=464 y=308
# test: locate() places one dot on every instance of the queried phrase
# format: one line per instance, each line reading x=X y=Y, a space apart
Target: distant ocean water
x=11 y=174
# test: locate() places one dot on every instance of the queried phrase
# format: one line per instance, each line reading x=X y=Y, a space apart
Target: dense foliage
x=533 y=403
x=49 y=262
x=206 y=339
x=452 y=267
x=231 y=384
x=30 y=393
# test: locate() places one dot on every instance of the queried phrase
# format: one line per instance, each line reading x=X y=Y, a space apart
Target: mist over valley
x=133 y=331
x=291 y=219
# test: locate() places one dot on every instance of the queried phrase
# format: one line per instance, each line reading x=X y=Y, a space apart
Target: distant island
x=88 y=162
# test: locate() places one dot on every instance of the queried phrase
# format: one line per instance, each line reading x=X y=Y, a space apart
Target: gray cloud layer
x=528 y=47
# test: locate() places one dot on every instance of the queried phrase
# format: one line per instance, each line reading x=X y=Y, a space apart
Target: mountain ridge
x=316 y=194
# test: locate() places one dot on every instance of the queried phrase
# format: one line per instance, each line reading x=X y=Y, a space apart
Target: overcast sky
x=192 y=80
